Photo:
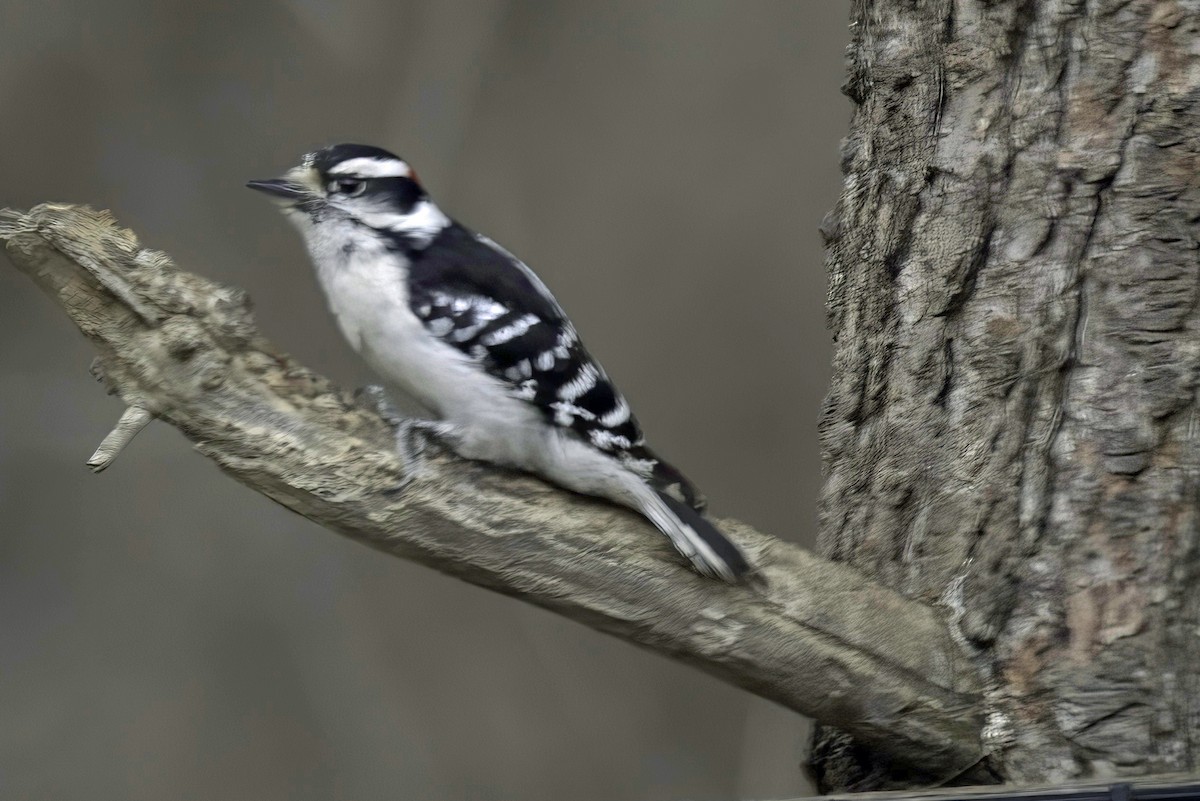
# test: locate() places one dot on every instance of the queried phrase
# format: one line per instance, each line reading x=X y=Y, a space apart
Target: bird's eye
x=349 y=187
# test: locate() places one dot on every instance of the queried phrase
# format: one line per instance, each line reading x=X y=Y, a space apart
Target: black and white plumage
x=473 y=335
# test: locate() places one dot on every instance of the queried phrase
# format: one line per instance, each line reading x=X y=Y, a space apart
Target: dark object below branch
x=1158 y=788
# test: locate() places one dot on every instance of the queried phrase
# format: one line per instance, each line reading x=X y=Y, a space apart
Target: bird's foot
x=375 y=398
x=413 y=437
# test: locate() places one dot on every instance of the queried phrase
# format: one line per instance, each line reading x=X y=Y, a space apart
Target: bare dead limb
x=134 y=419
x=814 y=635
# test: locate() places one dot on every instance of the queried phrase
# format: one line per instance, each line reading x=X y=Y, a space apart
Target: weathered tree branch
x=813 y=635
x=129 y=426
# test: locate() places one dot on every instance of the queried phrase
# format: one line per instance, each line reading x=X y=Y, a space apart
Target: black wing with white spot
x=484 y=302
x=480 y=299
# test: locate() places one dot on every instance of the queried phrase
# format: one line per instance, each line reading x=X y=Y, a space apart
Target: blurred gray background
x=167 y=633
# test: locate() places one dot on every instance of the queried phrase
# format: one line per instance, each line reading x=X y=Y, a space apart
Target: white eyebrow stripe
x=372 y=168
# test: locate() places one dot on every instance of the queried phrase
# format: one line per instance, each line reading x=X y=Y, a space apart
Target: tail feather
x=711 y=552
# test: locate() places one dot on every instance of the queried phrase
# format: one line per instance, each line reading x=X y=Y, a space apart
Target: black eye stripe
x=401 y=192
x=348 y=185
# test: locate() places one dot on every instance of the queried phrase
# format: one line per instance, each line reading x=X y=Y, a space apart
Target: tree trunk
x=1011 y=429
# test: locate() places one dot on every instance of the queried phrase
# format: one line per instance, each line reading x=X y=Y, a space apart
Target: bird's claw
x=413 y=437
x=375 y=398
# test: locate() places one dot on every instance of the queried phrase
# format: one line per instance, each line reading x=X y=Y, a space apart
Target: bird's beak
x=280 y=188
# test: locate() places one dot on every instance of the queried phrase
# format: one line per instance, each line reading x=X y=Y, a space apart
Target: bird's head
x=360 y=183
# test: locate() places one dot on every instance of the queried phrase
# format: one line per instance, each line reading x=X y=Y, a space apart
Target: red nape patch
x=413 y=174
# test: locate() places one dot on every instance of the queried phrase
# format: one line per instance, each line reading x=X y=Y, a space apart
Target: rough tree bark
x=1012 y=424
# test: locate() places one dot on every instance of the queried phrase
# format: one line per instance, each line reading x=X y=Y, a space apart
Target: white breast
x=365 y=286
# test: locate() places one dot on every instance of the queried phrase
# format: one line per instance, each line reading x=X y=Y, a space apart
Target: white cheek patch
x=422 y=224
x=372 y=168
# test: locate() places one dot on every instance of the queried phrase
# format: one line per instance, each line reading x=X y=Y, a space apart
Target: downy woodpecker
x=472 y=334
